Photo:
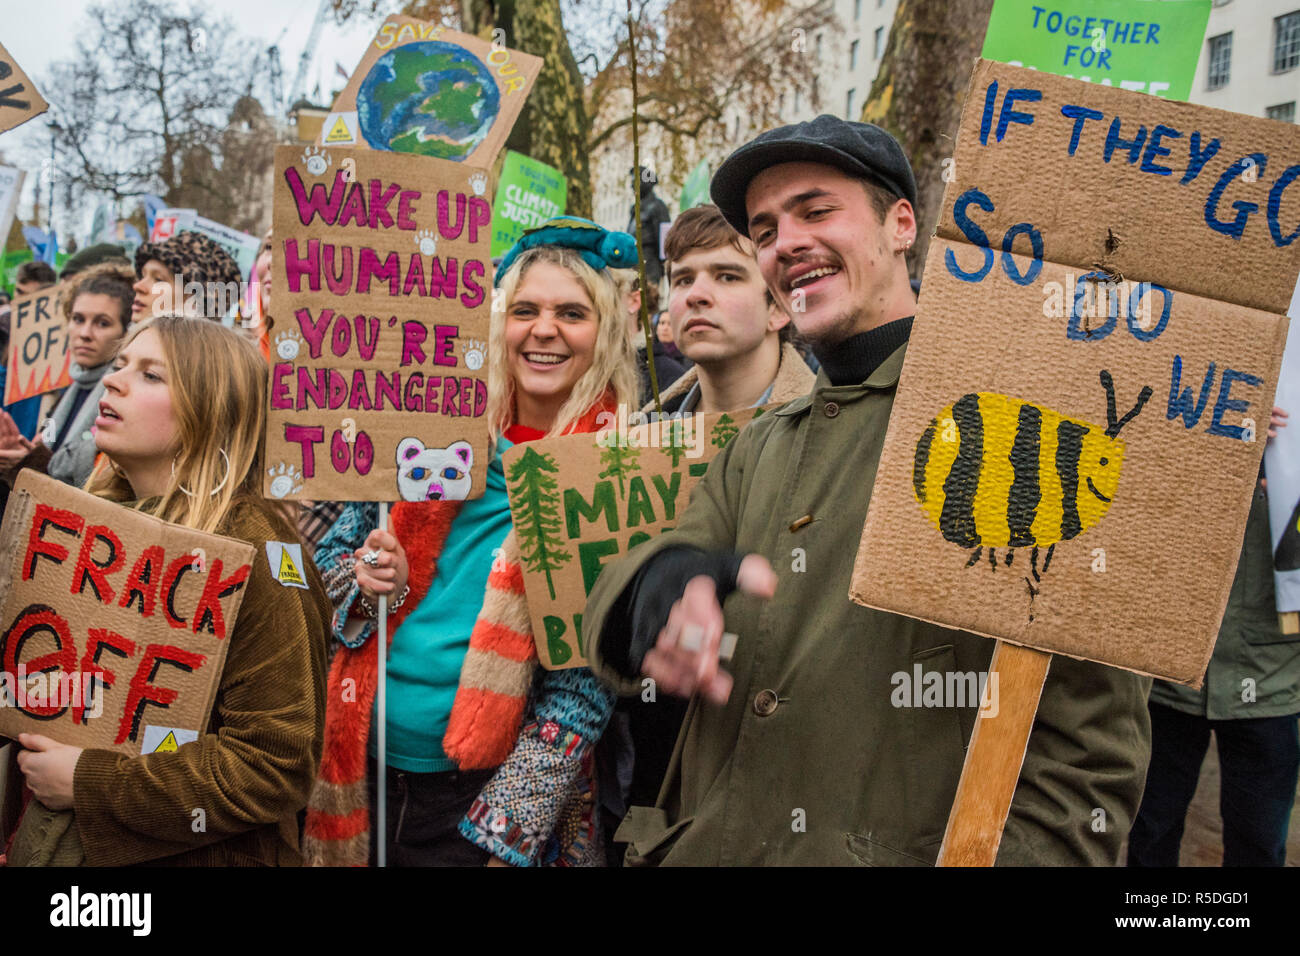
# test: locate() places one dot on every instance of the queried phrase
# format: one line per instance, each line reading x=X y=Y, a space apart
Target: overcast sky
x=25 y=31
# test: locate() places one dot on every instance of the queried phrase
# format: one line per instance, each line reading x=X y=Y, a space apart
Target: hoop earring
x=190 y=494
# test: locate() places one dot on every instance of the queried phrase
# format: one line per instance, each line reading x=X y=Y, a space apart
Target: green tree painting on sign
x=619 y=460
x=535 y=508
x=724 y=431
x=676 y=447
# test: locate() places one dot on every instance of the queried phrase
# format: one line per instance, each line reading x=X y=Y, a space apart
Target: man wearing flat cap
x=802 y=748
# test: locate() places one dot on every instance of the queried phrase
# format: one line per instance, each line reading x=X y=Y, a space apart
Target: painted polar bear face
x=433 y=474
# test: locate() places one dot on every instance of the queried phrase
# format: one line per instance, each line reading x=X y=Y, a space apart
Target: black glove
x=641 y=611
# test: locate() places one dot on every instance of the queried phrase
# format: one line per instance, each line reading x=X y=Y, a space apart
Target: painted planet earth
x=429 y=98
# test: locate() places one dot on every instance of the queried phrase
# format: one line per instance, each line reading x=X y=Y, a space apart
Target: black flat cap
x=859 y=149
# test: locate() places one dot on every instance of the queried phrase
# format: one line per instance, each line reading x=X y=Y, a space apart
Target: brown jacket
x=793 y=379
x=249 y=774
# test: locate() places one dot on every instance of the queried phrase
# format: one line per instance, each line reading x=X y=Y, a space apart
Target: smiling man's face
x=822 y=249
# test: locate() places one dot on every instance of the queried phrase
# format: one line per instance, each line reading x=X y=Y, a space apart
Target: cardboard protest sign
x=422 y=88
x=1282 y=466
x=581 y=501
x=38 y=346
x=1073 y=448
x=114 y=625
x=528 y=193
x=19 y=100
x=382 y=293
x=1146 y=46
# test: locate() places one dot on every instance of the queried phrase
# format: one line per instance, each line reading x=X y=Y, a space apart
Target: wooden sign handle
x=994 y=757
x=1288 y=622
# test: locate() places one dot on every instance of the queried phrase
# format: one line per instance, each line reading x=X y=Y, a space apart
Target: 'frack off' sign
x=114 y=625
x=1078 y=429
x=382 y=295
x=38 y=346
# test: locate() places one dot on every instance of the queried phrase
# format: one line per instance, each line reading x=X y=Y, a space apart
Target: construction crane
x=276 y=74
x=299 y=88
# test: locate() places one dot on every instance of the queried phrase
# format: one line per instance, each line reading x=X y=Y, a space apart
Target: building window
x=796 y=102
x=780 y=106
x=1286 y=42
x=1220 y=60
x=853 y=55
x=848 y=104
x=818 y=48
x=879 y=42
x=857 y=10
x=1284 y=112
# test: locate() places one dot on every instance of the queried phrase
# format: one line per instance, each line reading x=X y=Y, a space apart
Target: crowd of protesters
x=791 y=291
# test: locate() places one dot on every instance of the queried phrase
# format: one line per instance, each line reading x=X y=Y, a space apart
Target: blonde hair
x=613 y=366
x=218 y=394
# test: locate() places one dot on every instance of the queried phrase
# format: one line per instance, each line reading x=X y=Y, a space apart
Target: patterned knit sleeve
x=334 y=561
x=518 y=813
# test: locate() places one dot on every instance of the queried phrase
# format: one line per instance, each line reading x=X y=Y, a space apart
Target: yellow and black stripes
x=995 y=471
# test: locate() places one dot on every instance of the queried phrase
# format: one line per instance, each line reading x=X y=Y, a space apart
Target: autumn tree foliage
x=709 y=72
x=919 y=93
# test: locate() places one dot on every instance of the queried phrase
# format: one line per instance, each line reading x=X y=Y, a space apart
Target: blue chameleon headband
x=599 y=248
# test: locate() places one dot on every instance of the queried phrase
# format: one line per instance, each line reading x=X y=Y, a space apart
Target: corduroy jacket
x=249 y=775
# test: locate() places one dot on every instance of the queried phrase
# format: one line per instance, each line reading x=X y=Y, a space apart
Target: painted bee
x=992 y=471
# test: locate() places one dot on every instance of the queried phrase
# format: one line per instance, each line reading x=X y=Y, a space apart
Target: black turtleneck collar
x=852 y=361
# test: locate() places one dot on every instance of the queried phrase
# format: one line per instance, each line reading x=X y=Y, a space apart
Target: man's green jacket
x=811 y=761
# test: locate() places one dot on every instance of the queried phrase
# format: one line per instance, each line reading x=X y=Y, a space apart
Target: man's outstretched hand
x=684 y=659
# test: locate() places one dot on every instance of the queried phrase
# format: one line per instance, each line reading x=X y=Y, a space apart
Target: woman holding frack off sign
x=181 y=424
x=489 y=757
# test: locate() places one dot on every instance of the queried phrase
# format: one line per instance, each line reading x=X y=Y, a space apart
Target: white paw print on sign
x=316 y=160
x=478 y=183
x=427 y=240
x=474 y=350
x=287 y=344
x=285 y=479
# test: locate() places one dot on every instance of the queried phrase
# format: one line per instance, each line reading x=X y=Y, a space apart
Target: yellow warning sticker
x=286 y=564
x=340 y=130
x=166 y=740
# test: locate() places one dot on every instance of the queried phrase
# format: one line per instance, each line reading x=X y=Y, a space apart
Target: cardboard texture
x=1282 y=465
x=582 y=501
x=528 y=193
x=1010 y=500
x=422 y=88
x=38 y=346
x=382 y=292
x=19 y=100
x=1148 y=46
x=112 y=621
